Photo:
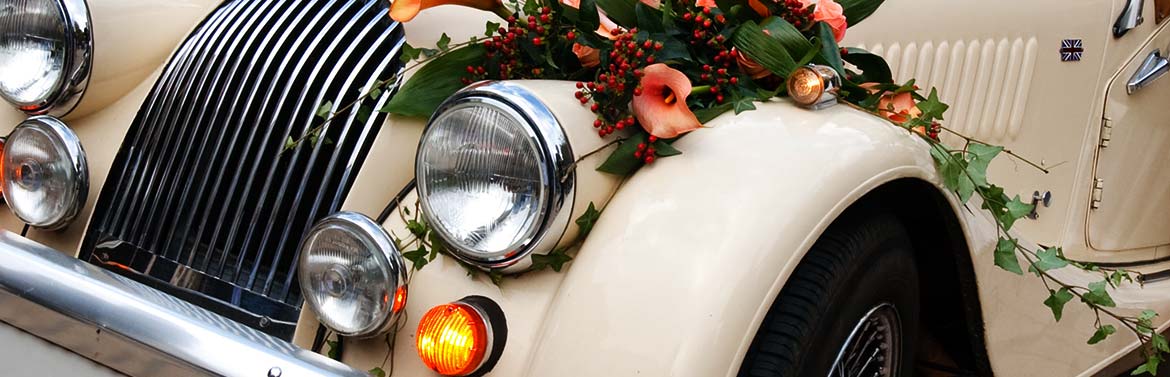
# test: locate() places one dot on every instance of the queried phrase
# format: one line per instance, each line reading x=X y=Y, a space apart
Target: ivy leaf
x=334 y=350
x=491 y=28
x=1056 y=301
x=417 y=228
x=932 y=108
x=377 y=372
x=289 y=143
x=1005 y=256
x=409 y=53
x=767 y=51
x=622 y=160
x=375 y=93
x=1158 y=341
x=586 y=220
x=1097 y=295
x=858 y=10
x=706 y=115
x=979 y=157
x=556 y=260
x=417 y=257
x=363 y=114
x=496 y=275
x=444 y=42
x=1151 y=365
x=1047 y=259
x=434 y=82
x=325 y=109
x=1102 y=333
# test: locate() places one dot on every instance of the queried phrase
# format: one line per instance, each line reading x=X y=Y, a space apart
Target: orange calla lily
x=590 y=57
x=759 y=7
x=898 y=108
x=405 y=10
x=662 y=107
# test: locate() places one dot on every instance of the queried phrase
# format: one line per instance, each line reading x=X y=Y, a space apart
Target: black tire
x=861 y=262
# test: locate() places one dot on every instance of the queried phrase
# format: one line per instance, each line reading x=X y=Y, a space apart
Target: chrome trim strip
x=135 y=324
x=558 y=157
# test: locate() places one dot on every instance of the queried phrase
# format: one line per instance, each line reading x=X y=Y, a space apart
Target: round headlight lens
x=44 y=54
x=45 y=175
x=483 y=179
x=350 y=274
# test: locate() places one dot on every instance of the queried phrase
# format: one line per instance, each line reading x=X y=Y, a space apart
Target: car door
x=1131 y=181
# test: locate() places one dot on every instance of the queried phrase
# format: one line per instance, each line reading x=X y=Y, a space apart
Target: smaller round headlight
x=45 y=175
x=350 y=275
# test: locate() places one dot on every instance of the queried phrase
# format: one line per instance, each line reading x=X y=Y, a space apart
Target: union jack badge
x=1070 y=50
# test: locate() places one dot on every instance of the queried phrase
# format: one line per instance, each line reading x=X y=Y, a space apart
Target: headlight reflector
x=45 y=54
x=493 y=174
x=45 y=174
x=350 y=275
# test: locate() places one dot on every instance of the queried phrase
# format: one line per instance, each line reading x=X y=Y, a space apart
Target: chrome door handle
x=1154 y=67
x=1131 y=17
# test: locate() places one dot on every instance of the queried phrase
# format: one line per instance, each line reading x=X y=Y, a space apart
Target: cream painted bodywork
x=690 y=252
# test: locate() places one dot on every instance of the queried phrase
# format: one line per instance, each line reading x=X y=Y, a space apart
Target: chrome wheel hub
x=872 y=348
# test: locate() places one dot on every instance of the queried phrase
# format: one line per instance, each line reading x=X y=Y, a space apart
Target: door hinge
x=1098 y=188
x=1106 y=132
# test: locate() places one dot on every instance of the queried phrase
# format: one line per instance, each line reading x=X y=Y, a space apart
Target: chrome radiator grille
x=202 y=199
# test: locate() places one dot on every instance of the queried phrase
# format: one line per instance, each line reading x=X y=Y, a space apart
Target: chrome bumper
x=133 y=328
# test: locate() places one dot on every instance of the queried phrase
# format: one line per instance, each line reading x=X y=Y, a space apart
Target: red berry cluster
x=503 y=49
x=705 y=33
x=796 y=13
x=646 y=153
x=617 y=81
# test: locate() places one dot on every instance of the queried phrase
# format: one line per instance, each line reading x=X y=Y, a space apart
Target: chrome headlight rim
x=77 y=160
x=78 y=67
x=557 y=158
x=362 y=226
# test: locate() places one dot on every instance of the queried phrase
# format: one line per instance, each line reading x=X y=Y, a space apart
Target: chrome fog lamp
x=45 y=175
x=814 y=86
x=46 y=53
x=494 y=177
x=351 y=275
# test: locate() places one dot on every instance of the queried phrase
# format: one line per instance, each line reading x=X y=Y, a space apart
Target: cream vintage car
x=156 y=220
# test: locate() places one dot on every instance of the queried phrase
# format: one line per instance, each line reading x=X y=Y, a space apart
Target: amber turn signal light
x=461 y=338
x=813 y=86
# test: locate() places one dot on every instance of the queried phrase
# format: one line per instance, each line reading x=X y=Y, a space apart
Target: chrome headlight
x=46 y=178
x=46 y=51
x=351 y=275
x=494 y=174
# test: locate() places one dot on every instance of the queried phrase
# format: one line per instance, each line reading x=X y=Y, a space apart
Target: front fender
x=689 y=254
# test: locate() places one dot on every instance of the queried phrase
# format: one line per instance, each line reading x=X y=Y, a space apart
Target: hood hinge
x=1098 y=188
x=1106 y=132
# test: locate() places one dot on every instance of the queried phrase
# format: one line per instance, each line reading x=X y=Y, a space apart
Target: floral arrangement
x=654 y=70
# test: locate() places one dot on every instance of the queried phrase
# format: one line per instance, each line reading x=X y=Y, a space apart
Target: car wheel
x=849 y=309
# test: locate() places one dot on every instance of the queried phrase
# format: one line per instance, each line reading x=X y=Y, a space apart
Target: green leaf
x=932 y=108
x=706 y=115
x=588 y=19
x=621 y=11
x=830 y=52
x=491 y=28
x=1005 y=256
x=874 y=67
x=375 y=93
x=334 y=350
x=556 y=260
x=622 y=160
x=648 y=19
x=417 y=257
x=1098 y=295
x=1056 y=301
x=496 y=275
x=767 y=51
x=434 y=82
x=979 y=156
x=409 y=53
x=1047 y=259
x=444 y=42
x=1158 y=341
x=794 y=42
x=858 y=10
x=325 y=109
x=417 y=228
x=363 y=113
x=377 y=372
x=289 y=143
x=664 y=149
x=1102 y=333
x=1015 y=209
x=586 y=220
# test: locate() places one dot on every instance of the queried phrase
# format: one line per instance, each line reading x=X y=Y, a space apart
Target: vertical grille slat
x=202 y=200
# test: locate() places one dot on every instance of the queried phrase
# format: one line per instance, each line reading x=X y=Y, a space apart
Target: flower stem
x=700 y=89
